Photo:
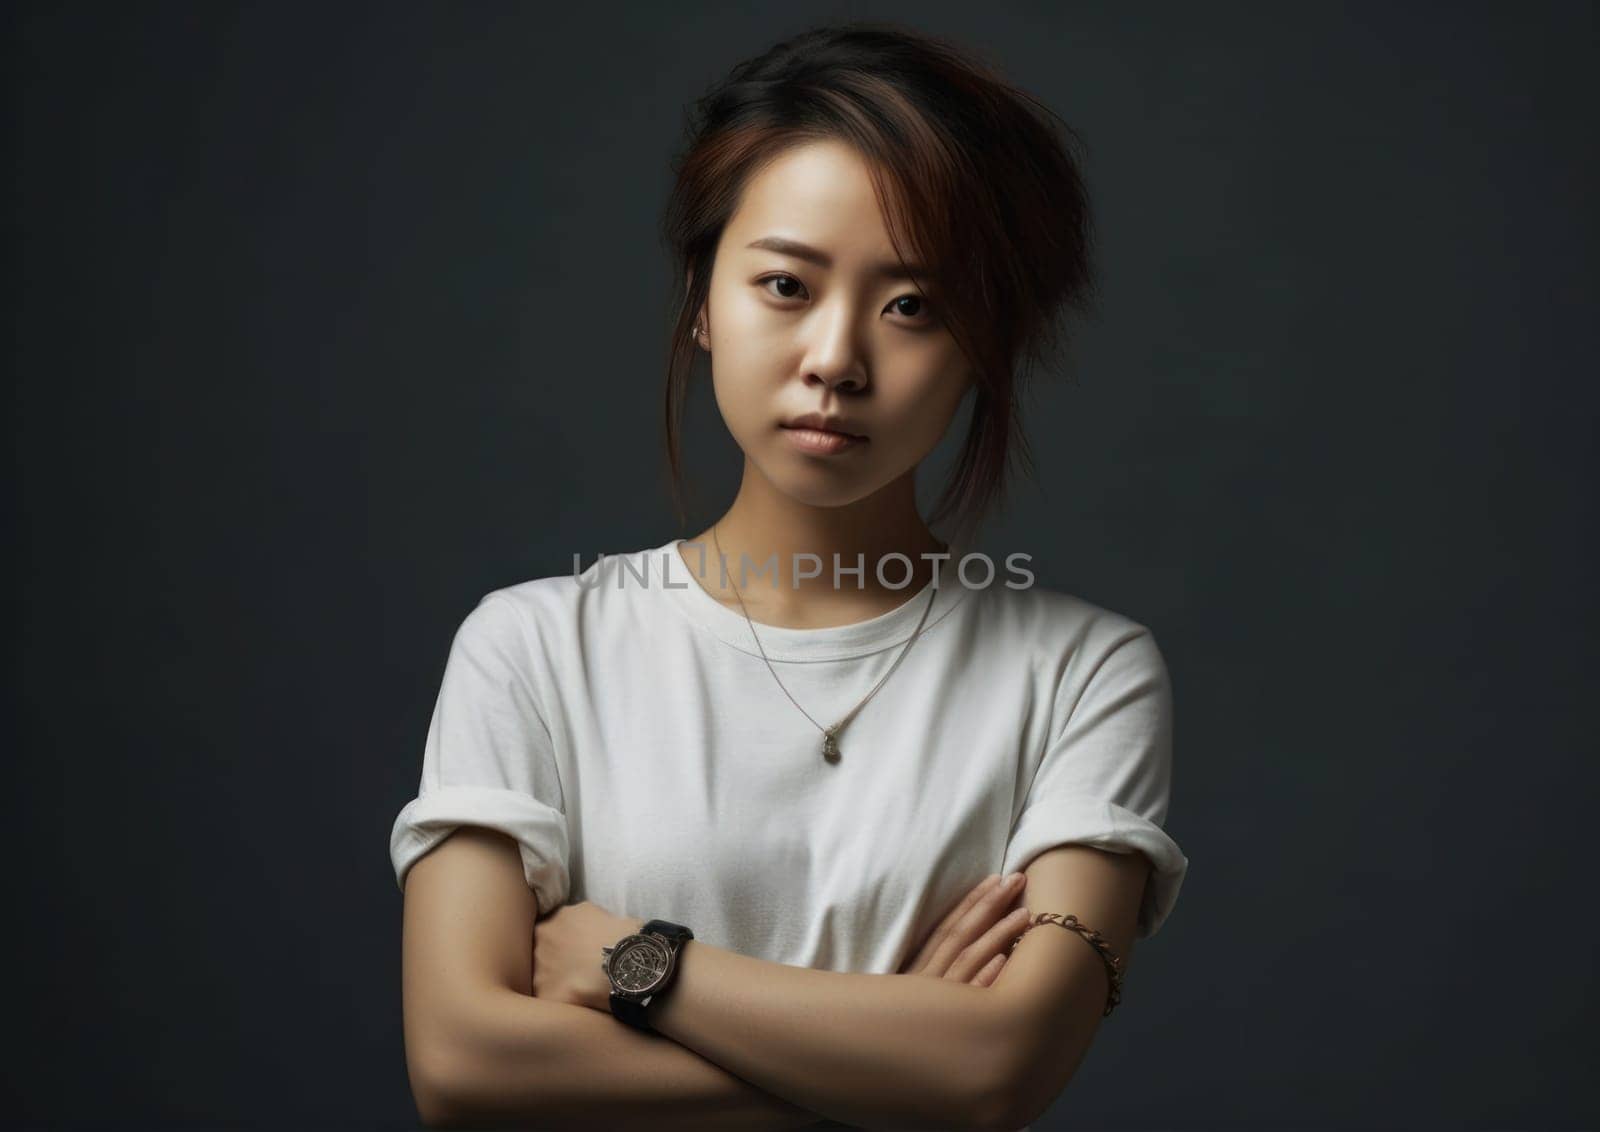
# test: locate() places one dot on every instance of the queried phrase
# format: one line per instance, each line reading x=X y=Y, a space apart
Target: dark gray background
x=334 y=318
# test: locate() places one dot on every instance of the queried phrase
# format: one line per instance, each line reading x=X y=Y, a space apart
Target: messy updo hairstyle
x=974 y=178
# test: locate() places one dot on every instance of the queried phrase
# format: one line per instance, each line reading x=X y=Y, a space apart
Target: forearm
x=883 y=1051
x=551 y=1065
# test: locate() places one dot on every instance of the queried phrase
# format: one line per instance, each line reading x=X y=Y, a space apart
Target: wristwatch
x=641 y=967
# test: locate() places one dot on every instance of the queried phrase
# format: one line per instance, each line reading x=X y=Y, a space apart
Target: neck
x=767 y=529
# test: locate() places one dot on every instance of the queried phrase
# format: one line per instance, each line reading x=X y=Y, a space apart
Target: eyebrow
x=798 y=250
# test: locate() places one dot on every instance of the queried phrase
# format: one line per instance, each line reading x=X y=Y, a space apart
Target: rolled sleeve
x=489 y=760
x=1105 y=780
x=540 y=831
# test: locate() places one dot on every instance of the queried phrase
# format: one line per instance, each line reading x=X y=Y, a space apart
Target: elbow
x=434 y=1091
x=1023 y=1071
x=459 y=1060
x=447 y=1081
x=1015 y=1100
x=431 y=1113
x=1003 y=1100
x=1001 y=1112
x=995 y=1110
x=441 y=1058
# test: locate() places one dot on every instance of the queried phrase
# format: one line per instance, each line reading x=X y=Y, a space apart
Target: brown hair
x=974 y=182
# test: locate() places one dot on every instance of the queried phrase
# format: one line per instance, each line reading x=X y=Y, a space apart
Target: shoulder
x=1063 y=631
x=553 y=607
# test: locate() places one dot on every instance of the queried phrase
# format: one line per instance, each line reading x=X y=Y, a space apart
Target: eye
x=919 y=312
x=780 y=278
x=920 y=309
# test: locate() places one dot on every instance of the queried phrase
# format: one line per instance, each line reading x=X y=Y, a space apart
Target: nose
x=832 y=357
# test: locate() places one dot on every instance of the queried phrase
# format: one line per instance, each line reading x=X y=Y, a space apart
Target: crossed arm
x=744 y=1043
x=882 y=1051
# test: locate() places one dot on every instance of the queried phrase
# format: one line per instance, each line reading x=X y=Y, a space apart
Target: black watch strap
x=669 y=929
x=632 y=1010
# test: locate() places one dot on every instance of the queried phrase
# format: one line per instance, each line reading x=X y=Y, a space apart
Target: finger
x=996 y=940
x=990 y=971
x=937 y=936
x=974 y=893
x=989 y=907
x=961 y=930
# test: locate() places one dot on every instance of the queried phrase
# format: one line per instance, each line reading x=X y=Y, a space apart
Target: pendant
x=830 y=746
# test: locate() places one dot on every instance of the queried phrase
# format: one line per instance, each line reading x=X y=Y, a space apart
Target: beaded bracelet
x=1092 y=937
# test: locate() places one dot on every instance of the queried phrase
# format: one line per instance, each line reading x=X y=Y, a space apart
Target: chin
x=820 y=488
x=825 y=499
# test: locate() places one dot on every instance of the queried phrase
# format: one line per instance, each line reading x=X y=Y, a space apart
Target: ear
x=701 y=317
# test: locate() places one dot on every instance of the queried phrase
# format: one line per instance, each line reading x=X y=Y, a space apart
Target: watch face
x=638 y=963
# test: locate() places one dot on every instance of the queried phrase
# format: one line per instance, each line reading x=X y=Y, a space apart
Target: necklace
x=830 y=735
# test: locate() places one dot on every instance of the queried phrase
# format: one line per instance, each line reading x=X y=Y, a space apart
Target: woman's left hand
x=566 y=953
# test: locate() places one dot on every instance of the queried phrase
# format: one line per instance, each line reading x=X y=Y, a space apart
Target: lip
x=820 y=442
x=818 y=422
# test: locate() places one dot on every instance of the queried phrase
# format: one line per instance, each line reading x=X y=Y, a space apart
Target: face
x=823 y=319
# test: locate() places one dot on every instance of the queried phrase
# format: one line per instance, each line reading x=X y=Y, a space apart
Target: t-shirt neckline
x=676 y=579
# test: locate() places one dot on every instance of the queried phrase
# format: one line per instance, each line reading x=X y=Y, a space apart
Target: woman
x=717 y=789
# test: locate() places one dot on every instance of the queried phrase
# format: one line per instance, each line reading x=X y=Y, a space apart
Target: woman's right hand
x=971 y=944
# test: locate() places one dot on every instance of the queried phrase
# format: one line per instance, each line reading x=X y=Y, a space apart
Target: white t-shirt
x=623 y=728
